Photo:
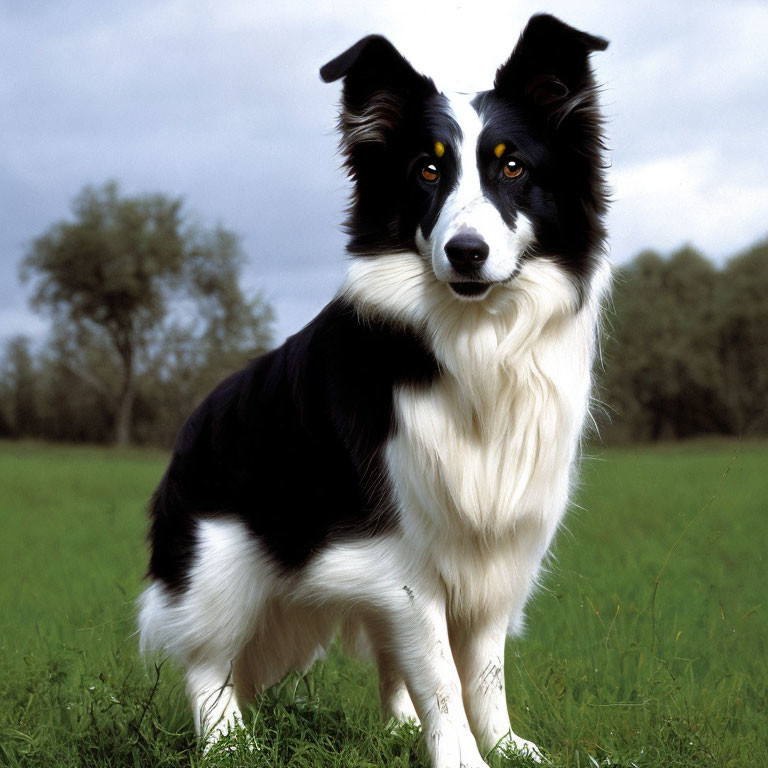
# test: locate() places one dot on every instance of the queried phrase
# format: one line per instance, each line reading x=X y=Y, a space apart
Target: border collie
x=400 y=466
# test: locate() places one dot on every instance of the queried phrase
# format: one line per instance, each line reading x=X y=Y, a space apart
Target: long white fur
x=481 y=463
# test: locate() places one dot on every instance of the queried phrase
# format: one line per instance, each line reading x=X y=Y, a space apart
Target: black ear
x=550 y=66
x=378 y=86
x=373 y=57
x=373 y=63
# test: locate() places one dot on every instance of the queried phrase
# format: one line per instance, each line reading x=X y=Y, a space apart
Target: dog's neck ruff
x=502 y=423
x=469 y=339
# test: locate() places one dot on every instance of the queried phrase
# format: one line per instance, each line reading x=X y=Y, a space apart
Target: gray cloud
x=221 y=104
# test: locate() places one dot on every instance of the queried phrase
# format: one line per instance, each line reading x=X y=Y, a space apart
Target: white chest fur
x=482 y=459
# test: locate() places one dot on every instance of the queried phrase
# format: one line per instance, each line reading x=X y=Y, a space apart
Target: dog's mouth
x=475 y=290
x=471 y=290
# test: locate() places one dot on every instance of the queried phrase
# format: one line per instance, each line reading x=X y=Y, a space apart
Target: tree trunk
x=123 y=418
x=124 y=411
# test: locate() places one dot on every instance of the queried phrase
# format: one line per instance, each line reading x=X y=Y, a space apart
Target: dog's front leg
x=416 y=632
x=478 y=648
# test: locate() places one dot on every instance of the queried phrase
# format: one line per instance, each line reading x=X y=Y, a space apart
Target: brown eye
x=512 y=169
x=430 y=173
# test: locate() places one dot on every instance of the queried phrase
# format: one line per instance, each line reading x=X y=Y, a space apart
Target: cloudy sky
x=220 y=102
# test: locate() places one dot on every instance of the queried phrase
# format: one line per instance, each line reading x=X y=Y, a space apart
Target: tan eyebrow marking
x=439 y=148
x=500 y=149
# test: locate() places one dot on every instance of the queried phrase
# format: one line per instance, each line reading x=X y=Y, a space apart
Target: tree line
x=686 y=347
x=148 y=315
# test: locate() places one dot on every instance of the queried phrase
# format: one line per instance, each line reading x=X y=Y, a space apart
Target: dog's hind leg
x=206 y=624
x=286 y=639
x=214 y=704
x=361 y=638
x=395 y=699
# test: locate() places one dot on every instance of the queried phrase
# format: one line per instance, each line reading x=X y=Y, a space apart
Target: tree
x=19 y=407
x=119 y=280
x=663 y=375
x=70 y=411
x=743 y=338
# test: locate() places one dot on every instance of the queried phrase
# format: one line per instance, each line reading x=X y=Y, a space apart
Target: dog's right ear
x=379 y=83
x=550 y=68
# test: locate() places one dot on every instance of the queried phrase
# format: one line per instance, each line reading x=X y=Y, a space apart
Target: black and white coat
x=401 y=465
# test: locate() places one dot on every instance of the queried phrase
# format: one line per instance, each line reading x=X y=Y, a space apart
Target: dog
x=400 y=466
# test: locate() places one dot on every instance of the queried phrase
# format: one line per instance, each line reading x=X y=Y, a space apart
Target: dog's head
x=477 y=184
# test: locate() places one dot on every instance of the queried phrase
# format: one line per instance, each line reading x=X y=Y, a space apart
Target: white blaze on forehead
x=471 y=126
x=467 y=209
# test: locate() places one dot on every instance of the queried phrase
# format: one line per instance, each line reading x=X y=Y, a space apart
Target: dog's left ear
x=379 y=83
x=374 y=64
x=550 y=67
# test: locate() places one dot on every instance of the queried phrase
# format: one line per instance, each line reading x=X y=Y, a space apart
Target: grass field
x=646 y=646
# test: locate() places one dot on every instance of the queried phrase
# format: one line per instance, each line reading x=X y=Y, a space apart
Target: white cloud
x=694 y=196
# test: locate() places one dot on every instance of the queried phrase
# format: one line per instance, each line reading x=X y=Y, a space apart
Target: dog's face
x=476 y=184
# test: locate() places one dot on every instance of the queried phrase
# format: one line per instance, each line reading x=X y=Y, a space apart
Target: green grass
x=646 y=644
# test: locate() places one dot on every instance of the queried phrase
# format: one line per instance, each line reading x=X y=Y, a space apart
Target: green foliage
x=113 y=264
x=743 y=339
x=148 y=315
x=646 y=645
x=19 y=407
x=687 y=347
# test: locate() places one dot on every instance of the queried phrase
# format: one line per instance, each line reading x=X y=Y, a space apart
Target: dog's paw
x=513 y=744
x=459 y=752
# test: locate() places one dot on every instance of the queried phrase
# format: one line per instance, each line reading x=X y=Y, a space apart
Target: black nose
x=467 y=253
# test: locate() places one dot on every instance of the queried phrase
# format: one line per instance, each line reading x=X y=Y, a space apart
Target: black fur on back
x=291 y=445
